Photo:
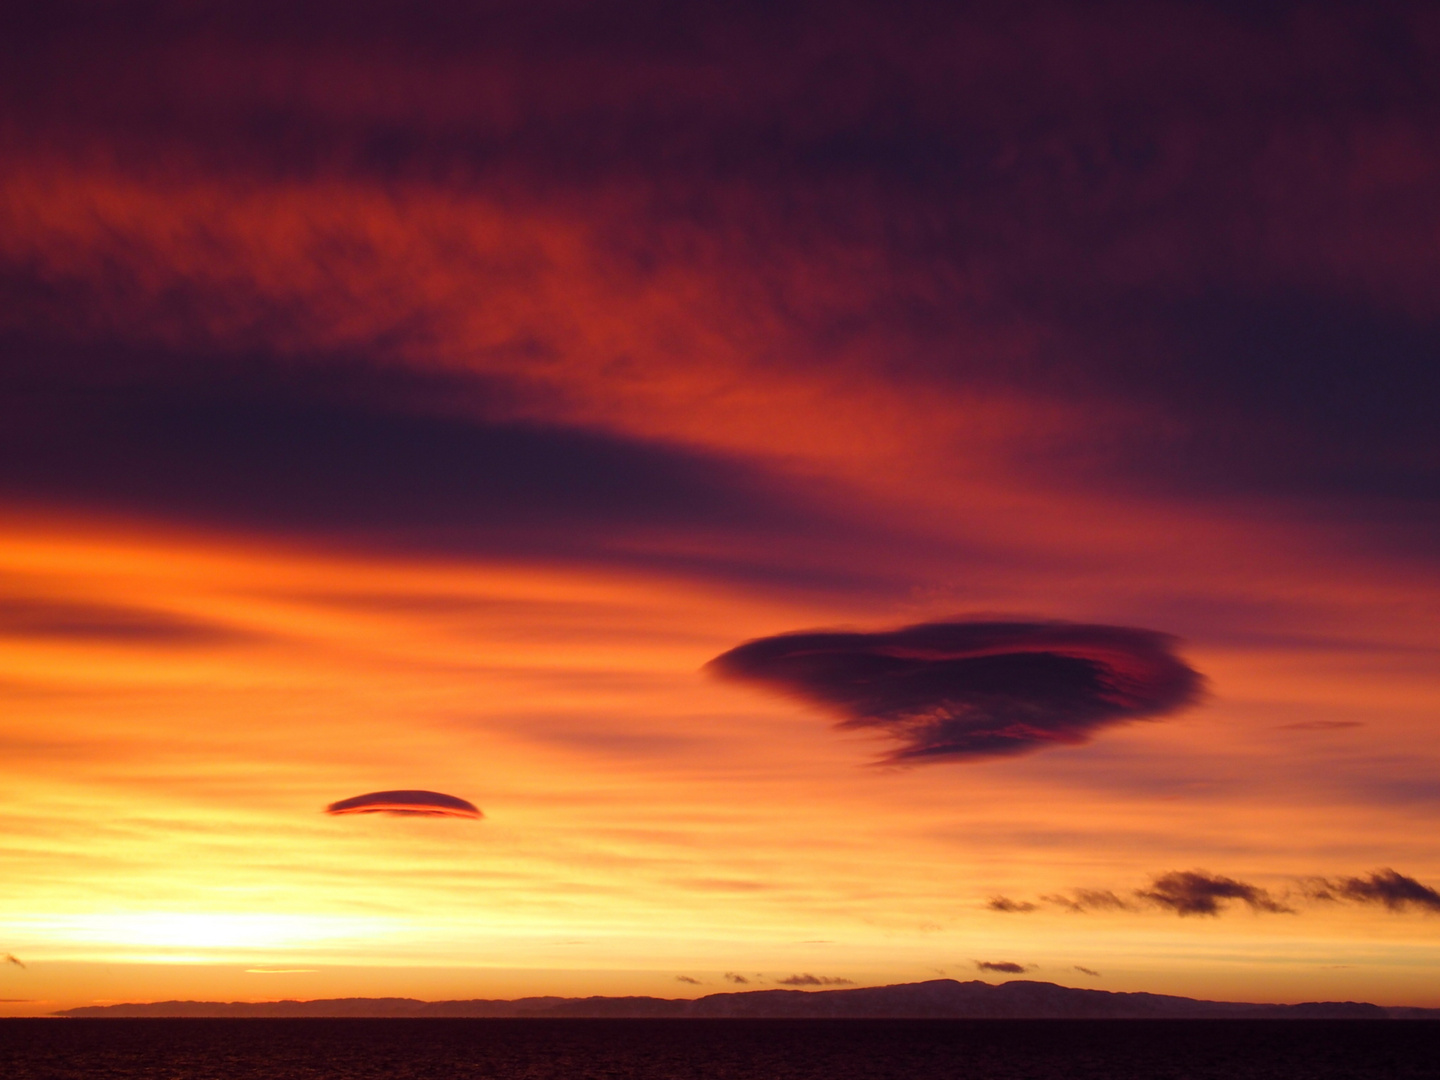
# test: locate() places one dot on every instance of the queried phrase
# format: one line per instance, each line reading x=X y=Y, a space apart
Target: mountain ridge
x=1019 y=999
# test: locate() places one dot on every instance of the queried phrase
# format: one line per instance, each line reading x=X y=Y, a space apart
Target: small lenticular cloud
x=1005 y=967
x=406 y=804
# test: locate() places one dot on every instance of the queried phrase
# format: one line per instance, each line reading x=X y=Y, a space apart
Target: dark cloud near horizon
x=1197 y=892
x=1088 y=971
x=687 y=979
x=1394 y=890
x=737 y=978
x=808 y=979
x=959 y=690
x=1004 y=967
x=11 y=958
x=407 y=804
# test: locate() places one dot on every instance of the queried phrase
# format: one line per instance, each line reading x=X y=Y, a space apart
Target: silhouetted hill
x=936 y=999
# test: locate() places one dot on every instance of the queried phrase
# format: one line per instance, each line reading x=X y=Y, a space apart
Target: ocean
x=437 y=1049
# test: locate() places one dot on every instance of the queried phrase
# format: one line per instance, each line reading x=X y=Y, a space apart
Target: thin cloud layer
x=814 y=980
x=1079 y=900
x=965 y=690
x=406 y=804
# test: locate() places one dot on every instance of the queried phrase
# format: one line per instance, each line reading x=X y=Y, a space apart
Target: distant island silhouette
x=945 y=999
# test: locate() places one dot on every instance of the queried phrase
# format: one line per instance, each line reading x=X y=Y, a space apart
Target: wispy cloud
x=814 y=980
x=1394 y=890
x=1004 y=903
x=1197 y=892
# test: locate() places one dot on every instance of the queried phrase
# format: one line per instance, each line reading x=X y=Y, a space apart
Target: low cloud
x=737 y=978
x=1004 y=903
x=406 y=804
x=1196 y=892
x=964 y=690
x=687 y=979
x=11 y=958
x=1007 y=967
x=813 y=980
x=1320 y=725
x=1087 y=971
x=1388 y=887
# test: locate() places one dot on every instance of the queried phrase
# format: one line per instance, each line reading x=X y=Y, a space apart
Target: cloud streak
x=814 y=980
x=967 y=690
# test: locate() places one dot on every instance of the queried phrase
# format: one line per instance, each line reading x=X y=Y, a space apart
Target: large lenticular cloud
x=959 y=690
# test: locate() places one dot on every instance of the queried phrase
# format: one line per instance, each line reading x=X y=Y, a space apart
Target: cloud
x=1388 y=887
x=1081 y=900
x=406 y=804
x=1004 y=903
x=1196 y=892
x=813 y=980
x=687 y=979
x=1006 y=967
x=737 y=978
x=1320 y=725
x=11 y=958
x=1087 y=971
x=35 y=617
x=966 y=690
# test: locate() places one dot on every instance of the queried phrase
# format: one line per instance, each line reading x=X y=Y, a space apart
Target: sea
x=546 y=1049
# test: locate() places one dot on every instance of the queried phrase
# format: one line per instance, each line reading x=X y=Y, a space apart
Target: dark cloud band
x=958 y=690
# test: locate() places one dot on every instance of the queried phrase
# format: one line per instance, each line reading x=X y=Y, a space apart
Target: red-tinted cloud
x=406 y=804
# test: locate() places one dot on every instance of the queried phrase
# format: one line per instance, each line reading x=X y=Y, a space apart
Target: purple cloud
x=965 y=690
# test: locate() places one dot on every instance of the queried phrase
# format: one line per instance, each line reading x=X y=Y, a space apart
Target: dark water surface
x=719 y=1049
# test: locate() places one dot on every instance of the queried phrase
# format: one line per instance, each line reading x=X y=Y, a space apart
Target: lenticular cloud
x=406 y=804
x=961 y=690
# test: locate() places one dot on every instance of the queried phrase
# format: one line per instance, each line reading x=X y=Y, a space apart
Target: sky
x=848 y=494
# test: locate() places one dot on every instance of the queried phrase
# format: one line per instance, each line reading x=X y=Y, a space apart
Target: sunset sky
x=853 y=493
